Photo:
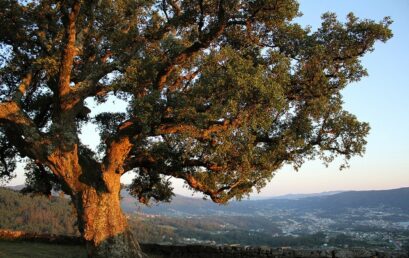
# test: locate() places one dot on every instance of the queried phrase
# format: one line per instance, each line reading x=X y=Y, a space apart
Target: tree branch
x=22 y=131
x=189 y=77
x=198 y=133
x=118 y=147
x=218 y=195
x=203 y=42
x=68 y=54
x=25 y=83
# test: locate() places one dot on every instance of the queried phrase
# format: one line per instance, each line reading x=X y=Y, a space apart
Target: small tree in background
x=220 y=93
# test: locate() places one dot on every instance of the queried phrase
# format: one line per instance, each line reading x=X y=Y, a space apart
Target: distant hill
x=338 y=202
x=395 y=198
x=36 y=213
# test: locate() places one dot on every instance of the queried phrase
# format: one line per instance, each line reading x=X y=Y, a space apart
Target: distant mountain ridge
x=301 y=196
x=337 y=202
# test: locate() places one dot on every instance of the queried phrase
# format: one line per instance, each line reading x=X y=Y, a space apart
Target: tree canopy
x=220 y=93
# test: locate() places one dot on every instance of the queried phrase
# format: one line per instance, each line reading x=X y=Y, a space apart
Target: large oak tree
x=220 y=93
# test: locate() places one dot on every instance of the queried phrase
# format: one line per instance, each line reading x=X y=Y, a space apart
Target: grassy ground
x=10 y=249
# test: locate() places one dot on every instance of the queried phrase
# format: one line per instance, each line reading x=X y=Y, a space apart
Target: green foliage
x=107 y=124
x=39 y=180
x=148 y=186
x=220 y=93
x=8 y=159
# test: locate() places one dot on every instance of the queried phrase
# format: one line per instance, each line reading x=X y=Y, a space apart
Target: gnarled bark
x=104 y=226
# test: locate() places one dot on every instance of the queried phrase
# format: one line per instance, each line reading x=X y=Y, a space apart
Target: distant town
x=300 y=223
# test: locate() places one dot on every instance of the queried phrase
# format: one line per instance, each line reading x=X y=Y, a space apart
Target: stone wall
x=201 y=251
x=198 y=251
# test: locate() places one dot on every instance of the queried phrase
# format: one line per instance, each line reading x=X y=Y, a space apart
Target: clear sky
x=380 y=99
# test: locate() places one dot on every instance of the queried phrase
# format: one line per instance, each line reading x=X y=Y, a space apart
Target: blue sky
x=380 y=99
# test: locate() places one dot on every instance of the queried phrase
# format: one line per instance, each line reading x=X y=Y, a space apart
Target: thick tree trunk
x=104 y=226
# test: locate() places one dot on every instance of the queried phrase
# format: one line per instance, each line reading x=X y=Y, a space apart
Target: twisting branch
x=22 y=131
x=148 y=161
x=170 y=126
x=196 y=132
x=218 y=195
x=119 y=147
x=69 y=53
